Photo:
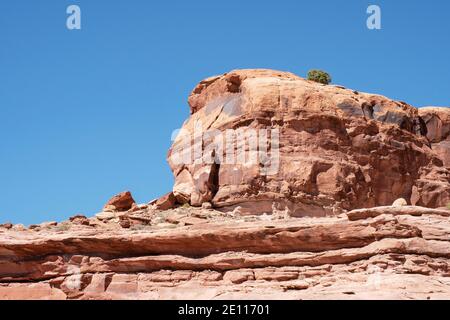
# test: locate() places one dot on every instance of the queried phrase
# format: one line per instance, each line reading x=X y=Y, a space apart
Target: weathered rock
x=399 y=210
x=400 y=203
x=120 y=202
x=79 y=219
x=124 y=222
x=134 y=208
x=390 y=252
x=105 y=215
x=338 y=150
x=239 y=276
x=7 y=225
x=166 y=202
x=48 y=224
x=206 y=205
x=257 y=237
x=321 y=149
x=437 y=120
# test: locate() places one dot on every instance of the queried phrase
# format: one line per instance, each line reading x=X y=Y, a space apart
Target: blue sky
x=88 y=113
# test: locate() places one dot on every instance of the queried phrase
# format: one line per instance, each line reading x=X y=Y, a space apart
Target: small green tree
x=319 y=76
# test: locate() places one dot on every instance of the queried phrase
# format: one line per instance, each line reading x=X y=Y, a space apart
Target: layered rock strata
x=189 y=253
x=264 y=140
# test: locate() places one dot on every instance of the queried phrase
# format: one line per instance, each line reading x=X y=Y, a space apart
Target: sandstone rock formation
x=120 y=202
x=324 y=149
x=166 y=202
x=437 y=120
x=387 y=253
x=284 y=189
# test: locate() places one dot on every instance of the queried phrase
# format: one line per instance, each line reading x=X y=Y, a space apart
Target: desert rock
x=437 y=120
x=346 y=200
x=324 y=150
x=166 y=202
x=7 y=225
x=386 y=253
x=120 y=202
x=399 y=203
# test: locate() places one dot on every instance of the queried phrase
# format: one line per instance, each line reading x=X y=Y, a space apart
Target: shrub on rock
x=319 y=76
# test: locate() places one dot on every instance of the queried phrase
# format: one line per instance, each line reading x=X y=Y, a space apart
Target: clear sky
x=88 y=113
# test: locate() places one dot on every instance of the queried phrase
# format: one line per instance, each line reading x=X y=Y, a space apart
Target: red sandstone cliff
x=329 y=151
x=338 y=149
x=437 y=120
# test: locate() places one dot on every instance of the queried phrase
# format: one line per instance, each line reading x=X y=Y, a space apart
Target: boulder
x=400 y=203
x=79 y=219
x=166 y=202
x=120 y=202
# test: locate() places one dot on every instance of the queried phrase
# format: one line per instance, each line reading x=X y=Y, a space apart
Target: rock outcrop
x=120 y=202
x=437 y=120
x=192 y=253
x=317 y=150
x=284 y=189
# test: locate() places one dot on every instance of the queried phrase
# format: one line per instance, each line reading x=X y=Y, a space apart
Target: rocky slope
x=385 y=252
x=310 y=219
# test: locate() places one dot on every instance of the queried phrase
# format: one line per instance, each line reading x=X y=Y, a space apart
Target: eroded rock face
x=385 y=252
x=319 y=149
x=437 y=120
x=324 y=149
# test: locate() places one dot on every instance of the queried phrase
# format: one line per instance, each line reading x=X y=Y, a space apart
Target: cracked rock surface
x=327 y=148
x=352 y=207
x=193 y=253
